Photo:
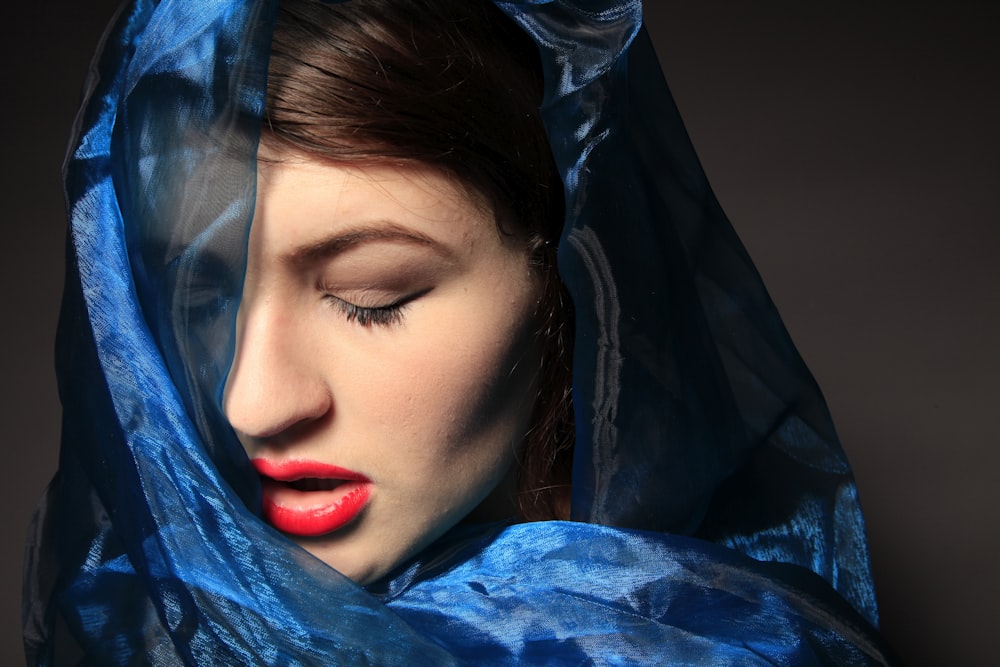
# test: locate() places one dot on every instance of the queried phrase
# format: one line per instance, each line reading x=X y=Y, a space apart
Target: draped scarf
x=714 y=515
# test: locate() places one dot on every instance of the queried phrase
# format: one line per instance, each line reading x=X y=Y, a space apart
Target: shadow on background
x=854 y=146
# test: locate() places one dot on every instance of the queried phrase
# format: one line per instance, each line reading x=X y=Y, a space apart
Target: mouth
x=309 y=498
x=314 y=484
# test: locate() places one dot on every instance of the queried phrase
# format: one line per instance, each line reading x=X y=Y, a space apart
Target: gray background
x=855 y=147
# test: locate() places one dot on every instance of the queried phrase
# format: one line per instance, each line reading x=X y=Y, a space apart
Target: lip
x=325 y=499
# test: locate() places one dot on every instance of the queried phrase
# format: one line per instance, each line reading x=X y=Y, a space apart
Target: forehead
x=307 y=207
x=272 y=155
x=355 y=187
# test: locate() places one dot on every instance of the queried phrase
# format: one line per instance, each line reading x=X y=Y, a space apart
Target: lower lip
x=310 y=513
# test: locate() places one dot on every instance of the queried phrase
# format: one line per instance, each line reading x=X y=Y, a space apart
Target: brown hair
x=456 y=85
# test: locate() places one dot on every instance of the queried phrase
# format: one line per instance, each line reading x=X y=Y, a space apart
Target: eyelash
x=368 y=316
x=377 y=316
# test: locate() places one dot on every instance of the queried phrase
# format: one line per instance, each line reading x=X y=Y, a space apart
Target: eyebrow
x=331 y=246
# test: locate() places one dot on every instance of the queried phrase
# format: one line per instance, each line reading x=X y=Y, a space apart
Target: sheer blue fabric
x=690 y=397
x=703 y=444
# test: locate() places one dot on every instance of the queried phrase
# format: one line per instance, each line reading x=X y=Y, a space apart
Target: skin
x=386 y=327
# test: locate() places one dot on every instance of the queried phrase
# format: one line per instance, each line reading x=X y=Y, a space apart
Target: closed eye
x=367 y=316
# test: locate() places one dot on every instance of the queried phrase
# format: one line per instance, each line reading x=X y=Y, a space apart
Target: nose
x=273 y=388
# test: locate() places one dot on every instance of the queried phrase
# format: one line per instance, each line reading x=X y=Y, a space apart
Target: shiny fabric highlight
x=584 y=592
x=691 y=401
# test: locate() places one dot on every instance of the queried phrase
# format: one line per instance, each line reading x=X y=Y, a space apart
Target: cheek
x=465 y=387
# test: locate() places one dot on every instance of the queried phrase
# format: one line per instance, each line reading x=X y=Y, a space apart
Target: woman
x=378 y=364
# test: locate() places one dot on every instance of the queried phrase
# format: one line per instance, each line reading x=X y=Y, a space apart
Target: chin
x=332 y=550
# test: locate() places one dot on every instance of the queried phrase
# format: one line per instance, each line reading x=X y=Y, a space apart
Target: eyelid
x=381 y=315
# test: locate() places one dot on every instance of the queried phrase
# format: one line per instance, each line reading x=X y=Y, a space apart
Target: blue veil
x=715 y=518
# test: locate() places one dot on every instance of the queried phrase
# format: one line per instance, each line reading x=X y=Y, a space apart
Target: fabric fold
x=703 y=444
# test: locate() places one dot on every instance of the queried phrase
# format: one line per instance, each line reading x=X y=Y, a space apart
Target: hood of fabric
x=695 y=416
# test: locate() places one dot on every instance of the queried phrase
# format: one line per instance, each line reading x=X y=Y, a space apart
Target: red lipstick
x=309 y=498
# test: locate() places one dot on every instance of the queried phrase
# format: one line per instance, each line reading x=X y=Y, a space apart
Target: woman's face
x=385 y=361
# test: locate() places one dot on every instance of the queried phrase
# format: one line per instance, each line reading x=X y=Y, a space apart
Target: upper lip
x=291 y=470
